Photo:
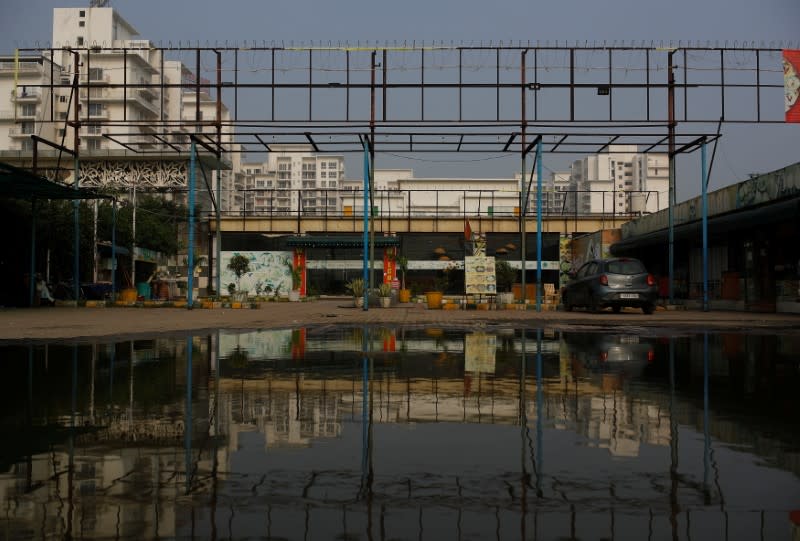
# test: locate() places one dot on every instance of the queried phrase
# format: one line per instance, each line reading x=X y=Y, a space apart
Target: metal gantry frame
x=409 y=98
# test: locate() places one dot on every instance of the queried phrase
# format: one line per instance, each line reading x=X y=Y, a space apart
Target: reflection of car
x=616 y=282
x=609 y=352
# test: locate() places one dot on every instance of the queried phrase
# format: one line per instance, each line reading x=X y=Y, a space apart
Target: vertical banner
x=791 y=84
x=390 y=267
x=300 y=261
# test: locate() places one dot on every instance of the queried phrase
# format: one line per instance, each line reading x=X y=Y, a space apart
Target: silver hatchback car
x=617 y=282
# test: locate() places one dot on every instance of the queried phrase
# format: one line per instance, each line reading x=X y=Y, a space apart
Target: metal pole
x=671 y=158
x=523 y=192
x=365 y=272
x=77 y=166
x=114 y=250
x=218 y=269
x=190 y=255
x=539 y=173
x=133 y=239
x=32 y=274
x=187 y=424
x=704 y=178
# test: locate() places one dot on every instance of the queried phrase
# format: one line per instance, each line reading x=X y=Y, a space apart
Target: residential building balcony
x=22 y=131
x=27 y=95
x=132 y=95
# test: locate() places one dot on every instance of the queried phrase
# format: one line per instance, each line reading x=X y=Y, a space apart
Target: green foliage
x=402 y=266
x=506 y=276
x=239 y=265
x=385 y=290
x=355 y=286
x=296 y=273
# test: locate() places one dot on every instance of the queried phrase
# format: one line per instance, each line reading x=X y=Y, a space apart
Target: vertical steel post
x=704 y=180
x=671 y=158
x=76 y=184
x=32 y=273
x=365 y=272
x=114 y=249
x=539 y=173
x=190 y=255
x=523 y=192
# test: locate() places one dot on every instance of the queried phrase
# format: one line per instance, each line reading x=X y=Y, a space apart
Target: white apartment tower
x=621 y=180
x=125 y=101
x=291 y=178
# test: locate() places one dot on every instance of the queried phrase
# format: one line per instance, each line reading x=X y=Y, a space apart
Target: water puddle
x=402 y=433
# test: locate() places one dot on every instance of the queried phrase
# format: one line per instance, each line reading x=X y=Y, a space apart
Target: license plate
x=628 y=295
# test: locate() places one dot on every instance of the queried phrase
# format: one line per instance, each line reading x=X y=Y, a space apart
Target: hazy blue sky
x=743 y=150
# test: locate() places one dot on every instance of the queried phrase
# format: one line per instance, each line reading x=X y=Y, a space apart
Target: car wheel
x=616 y=309
x=649 y=308
x=594 y=306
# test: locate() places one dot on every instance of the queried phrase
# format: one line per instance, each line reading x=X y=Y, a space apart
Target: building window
x=82 y=13
x=95 y=109
x=93 y=144
x=80 y=41
x=26 y=145
x=29 y=109
x=81 y=23
x=27 y=128
x=323 y=165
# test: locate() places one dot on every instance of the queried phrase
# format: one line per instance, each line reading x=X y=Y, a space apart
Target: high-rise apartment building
x=291 y=178
x=127 y=106
x=621 y=180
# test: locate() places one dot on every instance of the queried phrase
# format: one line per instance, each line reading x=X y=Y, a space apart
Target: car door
x=581 y=287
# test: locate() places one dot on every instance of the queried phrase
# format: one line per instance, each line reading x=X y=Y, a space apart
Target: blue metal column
x=366 y=226
x=704 y=177
x=539 y=173
x=190 y=256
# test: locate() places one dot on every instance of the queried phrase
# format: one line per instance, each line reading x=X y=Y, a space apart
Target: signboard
x=791 y=84
x=479 y=275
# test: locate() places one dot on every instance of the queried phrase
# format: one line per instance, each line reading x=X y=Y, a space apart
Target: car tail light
x=603 y=356
x=651 y=356
x=604 y=279
x=651 y=280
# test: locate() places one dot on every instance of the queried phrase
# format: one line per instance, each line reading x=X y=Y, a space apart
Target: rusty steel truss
x=417 y=99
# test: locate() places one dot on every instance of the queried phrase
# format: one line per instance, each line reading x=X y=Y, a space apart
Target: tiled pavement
x=66 y=323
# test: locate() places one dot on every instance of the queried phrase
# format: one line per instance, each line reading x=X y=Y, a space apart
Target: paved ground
x=69 y=323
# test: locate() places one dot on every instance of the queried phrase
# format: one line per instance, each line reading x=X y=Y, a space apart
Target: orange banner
x=791 y=84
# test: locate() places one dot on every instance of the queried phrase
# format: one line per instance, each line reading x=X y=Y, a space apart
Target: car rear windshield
x=626 y=266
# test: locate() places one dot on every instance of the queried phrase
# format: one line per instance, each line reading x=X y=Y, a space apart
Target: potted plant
x=239 y=265
x=440 y=285
x=385 y=294
x=505 y=275
x=297 y=280
x=404 y=295
x=356 y=288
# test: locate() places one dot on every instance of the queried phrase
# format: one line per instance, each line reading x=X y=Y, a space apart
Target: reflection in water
x=377 y=433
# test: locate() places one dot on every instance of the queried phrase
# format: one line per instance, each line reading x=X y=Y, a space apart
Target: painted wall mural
x=268 y=272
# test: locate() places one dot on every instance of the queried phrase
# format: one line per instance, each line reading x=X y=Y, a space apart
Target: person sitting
x=45 y=298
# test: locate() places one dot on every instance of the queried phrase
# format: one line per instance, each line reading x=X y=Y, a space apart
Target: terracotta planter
x=404 y=295
x=434 y=299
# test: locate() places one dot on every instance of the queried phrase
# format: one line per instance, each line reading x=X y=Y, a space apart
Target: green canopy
x=21 y=184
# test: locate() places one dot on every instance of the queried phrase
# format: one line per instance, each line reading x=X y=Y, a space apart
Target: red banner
x=389 y=265
x=791 y=84
x=300 y=261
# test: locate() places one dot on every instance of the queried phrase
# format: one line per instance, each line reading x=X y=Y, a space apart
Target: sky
x=743 y=149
